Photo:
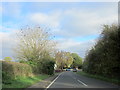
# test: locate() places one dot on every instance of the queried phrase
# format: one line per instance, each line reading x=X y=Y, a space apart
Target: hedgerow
x=12 y=70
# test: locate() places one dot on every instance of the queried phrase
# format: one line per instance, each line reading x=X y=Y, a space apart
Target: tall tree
x=34 y=43
x=68 y=58
x=77 y=60
x=103 y=58
x=63 y=59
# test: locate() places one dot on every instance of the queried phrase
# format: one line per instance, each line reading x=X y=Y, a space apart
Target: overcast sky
x=76 y=26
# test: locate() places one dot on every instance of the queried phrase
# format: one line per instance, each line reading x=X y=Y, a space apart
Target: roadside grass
x=111 y=80
x=24 y=82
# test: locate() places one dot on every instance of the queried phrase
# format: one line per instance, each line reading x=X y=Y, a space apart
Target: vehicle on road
x=75 y=70
x=68 y=69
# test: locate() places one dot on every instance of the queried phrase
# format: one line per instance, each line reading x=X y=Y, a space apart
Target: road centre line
x=53 y=81
x=82 y=82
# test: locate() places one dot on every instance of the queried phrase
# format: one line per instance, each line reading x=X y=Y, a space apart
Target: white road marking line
x=82 y=82
x=53 y=81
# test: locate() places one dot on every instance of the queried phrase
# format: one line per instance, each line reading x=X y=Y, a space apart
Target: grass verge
x=24 y=82
x=111 y=80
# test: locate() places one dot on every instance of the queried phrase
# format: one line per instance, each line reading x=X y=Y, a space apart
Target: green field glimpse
x=24 y=82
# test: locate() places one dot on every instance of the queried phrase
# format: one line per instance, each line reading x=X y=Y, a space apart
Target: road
x=70 y=79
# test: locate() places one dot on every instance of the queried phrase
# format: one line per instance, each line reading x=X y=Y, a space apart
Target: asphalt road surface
x=70 y=79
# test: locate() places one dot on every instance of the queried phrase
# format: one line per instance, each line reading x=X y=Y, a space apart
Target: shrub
x=12 y=70
x=47 y=66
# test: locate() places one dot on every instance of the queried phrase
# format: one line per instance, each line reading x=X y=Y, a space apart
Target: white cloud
x=67 y=43
x=76 y=22
x=0 y=8
x=7 y=42
x=81 y=23
x=52 y=19
x=67 y=23
x=75 y=46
